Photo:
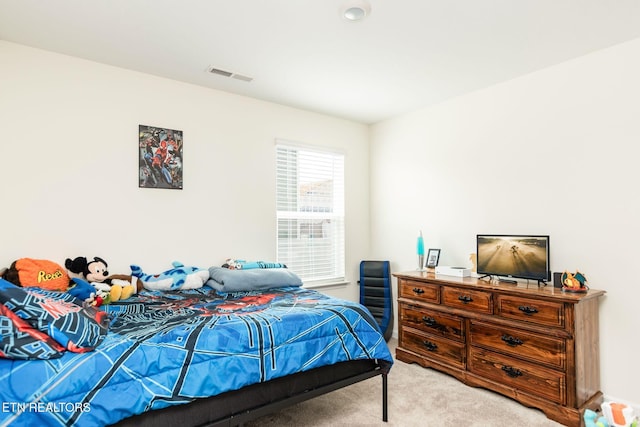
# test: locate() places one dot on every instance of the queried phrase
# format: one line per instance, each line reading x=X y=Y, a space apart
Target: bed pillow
x=59 y=315
x=226 y=280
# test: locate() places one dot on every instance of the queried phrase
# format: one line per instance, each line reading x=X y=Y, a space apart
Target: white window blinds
x=310 y=212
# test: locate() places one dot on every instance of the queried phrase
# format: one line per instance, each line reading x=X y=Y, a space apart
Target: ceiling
x=407 y=54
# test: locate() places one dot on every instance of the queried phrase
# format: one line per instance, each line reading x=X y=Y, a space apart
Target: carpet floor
x=416 y=397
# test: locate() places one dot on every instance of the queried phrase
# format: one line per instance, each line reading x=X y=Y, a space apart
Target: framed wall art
x=160 y=157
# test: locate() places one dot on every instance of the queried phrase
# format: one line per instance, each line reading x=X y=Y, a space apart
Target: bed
x=200 y=357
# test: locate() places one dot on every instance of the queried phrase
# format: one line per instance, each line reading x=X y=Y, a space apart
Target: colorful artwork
x=160 y=161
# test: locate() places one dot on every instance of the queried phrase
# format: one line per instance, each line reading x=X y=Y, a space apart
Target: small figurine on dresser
x=574 y=282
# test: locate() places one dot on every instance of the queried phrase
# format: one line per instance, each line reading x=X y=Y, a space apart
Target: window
x=310 y=212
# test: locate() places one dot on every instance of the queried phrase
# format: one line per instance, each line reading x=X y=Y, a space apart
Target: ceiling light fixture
x=356 y=10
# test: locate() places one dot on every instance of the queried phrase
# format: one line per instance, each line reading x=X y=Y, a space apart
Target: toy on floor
x=179 y=277
x=591 y=419
x=619 y=414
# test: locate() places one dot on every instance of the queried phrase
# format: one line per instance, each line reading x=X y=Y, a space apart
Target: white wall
x=554 y=152
x=69 y=174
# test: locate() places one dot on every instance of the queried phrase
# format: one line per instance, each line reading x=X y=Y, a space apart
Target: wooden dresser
x=538 y=346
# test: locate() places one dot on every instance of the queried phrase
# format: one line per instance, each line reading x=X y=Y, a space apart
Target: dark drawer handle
x=418 y=291
x=527 y=310
x=429 y=321
x=465 y=299
x=430 y=346
x=511 y=341
x=512 y=372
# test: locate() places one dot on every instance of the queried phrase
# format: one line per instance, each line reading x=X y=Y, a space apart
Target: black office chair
x=375 y=293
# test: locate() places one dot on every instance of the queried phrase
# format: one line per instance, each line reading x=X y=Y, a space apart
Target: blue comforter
x=166 y=349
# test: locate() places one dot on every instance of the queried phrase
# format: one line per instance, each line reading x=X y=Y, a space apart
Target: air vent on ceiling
x=218 y=71
x=241 y=77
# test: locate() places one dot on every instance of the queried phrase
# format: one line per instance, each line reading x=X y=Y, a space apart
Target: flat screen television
x=516 y=256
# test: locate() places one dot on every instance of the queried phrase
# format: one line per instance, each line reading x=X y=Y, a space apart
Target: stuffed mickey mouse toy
x=91 y=271
x=110 y=289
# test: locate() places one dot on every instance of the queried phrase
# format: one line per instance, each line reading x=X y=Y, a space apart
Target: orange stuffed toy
x=41 y=273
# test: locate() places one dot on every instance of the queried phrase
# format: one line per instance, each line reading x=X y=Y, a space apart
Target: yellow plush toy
x=123 y=286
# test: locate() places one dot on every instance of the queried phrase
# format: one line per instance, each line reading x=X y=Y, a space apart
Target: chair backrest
x=375 y=293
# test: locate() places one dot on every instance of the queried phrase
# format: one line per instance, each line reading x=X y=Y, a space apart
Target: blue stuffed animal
x=591 y=419
x=83 y=290
x=179 y=277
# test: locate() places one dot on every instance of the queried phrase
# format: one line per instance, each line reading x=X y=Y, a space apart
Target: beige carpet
x=417 y=397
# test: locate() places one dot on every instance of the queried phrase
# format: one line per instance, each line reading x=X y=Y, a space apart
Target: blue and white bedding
x=169 y=348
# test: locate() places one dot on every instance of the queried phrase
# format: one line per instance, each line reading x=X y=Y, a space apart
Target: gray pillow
x=255 y=279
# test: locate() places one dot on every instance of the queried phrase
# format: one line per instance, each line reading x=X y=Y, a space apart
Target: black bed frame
x=234 y=408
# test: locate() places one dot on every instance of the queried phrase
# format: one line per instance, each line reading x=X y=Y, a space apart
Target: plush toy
x=84 y=291
x=231 y=264
x=95 y=272
x=48 y=275
x=40 y=273
x=130 y=284
x=591 y=419
x=240 y=264
x=618 y=414
x=91 y=271
x=179 y=277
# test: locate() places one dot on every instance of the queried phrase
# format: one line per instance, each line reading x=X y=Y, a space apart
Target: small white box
x=453 y=271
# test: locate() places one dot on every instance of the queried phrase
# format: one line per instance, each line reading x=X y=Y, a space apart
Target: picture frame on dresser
x=433 y=256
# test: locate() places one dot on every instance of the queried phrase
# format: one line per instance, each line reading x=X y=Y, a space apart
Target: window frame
x=330 y=222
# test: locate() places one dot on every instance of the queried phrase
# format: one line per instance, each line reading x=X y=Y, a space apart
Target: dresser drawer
x=525 y=345
x=432 y=322
x=544 y=382
x=419 y=291
x=432 y=347
x=530 y=310
x=467 y=299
